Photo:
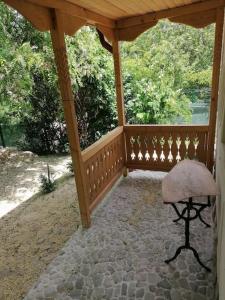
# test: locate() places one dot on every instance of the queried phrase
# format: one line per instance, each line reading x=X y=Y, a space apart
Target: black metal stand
x=198 y=211
x=190 y=205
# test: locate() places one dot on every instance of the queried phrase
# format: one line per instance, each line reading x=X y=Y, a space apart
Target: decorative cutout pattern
x=170 y=143
x=178 y=142
x=103 y=166
x=187 y=143
x=149 y=149
x=196 y=143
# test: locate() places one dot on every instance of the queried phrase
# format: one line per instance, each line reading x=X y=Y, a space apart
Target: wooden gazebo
x=153 y=147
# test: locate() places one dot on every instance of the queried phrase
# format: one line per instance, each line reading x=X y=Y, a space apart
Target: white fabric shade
x=187 y=179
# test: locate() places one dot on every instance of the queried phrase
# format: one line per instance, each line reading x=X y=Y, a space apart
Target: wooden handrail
x=163 y=128
x=101 y=143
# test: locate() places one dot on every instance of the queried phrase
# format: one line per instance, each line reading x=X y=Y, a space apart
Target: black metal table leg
x=187 y=219
x=202 y=206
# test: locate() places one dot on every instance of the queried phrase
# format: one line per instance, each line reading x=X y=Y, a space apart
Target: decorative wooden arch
x=100 y=165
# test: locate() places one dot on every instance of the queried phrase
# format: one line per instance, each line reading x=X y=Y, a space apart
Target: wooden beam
x=118 y=83
x=101 y=143
x=215 y=86
x=39 y=16
x=109 y=33
x=131 y=33
x=59 y=47
x=72 y=24
x=169 y=13
x=72 y=9
x=197 y=20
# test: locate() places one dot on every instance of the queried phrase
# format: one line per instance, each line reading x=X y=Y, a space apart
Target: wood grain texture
x=118 y=83
x=101 y=143
x=72 y=9
x=148 y=146
x=131 y=33
x=198 y=20
x=103 y=163
x=59 y=47
x=170 y=13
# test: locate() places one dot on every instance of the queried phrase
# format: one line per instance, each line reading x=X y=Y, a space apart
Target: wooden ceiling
x=117 y=9
x=123 y=20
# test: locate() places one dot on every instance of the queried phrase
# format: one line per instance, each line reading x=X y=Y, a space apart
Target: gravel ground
x=19 y=177
x=32 y=230
x=122 y=255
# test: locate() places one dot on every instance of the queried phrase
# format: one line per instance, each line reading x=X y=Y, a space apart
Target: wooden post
x=118 y=83
x=119 y=93
x=215 y=86
x=59 y=47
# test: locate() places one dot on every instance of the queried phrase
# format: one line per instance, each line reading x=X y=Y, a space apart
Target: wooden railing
x=160 y=147
x=146 y=147
x=103 y=164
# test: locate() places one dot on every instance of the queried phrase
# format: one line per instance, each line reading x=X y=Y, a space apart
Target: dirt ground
x=20 y=175
x=32 y=234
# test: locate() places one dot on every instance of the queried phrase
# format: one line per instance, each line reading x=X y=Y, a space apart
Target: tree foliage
x=165 y=69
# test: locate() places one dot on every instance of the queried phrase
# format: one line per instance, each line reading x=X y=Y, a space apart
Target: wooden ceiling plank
x=103 y=7
x=154 y=5
x=166 y=4
x=77 y=11
x=126 y=6
x=169 y=13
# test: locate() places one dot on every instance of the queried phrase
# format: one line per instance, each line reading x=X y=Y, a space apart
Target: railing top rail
x=101 y=143
x=165 y=128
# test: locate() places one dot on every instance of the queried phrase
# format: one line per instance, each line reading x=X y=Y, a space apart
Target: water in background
x=200 y=114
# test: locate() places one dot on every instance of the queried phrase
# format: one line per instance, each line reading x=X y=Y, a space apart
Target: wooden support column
x=119 y=92
x=59 y=47
x=215 y=85
x=118 y=83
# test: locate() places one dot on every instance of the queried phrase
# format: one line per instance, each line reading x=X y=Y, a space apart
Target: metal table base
x=198 y=208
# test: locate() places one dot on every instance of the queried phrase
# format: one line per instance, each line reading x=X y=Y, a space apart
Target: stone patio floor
x=122 y=255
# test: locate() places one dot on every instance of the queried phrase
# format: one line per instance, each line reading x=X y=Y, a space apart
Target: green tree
x=165 y=69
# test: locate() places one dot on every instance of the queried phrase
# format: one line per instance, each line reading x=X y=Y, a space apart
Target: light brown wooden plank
x=118 y=83
x=106 y=189
x=77 y=11
x=72 y=24
x=165 y=128
x=59 y=47
x=109 y=10
x=130 y=7
x=129 y=34
x=169 y=13
x=101 y=143
x=198 y=20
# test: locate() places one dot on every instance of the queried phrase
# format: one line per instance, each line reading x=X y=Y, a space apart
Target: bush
x=70 y=166
x=48 y=184
x=45 y=130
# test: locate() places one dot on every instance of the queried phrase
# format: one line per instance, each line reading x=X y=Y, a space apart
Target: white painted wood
x=220 y=175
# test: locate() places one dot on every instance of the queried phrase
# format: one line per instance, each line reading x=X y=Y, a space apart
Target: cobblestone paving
x=122 y=255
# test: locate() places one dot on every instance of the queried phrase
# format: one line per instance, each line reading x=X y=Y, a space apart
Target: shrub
x=48 y=184
x=70 y=166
